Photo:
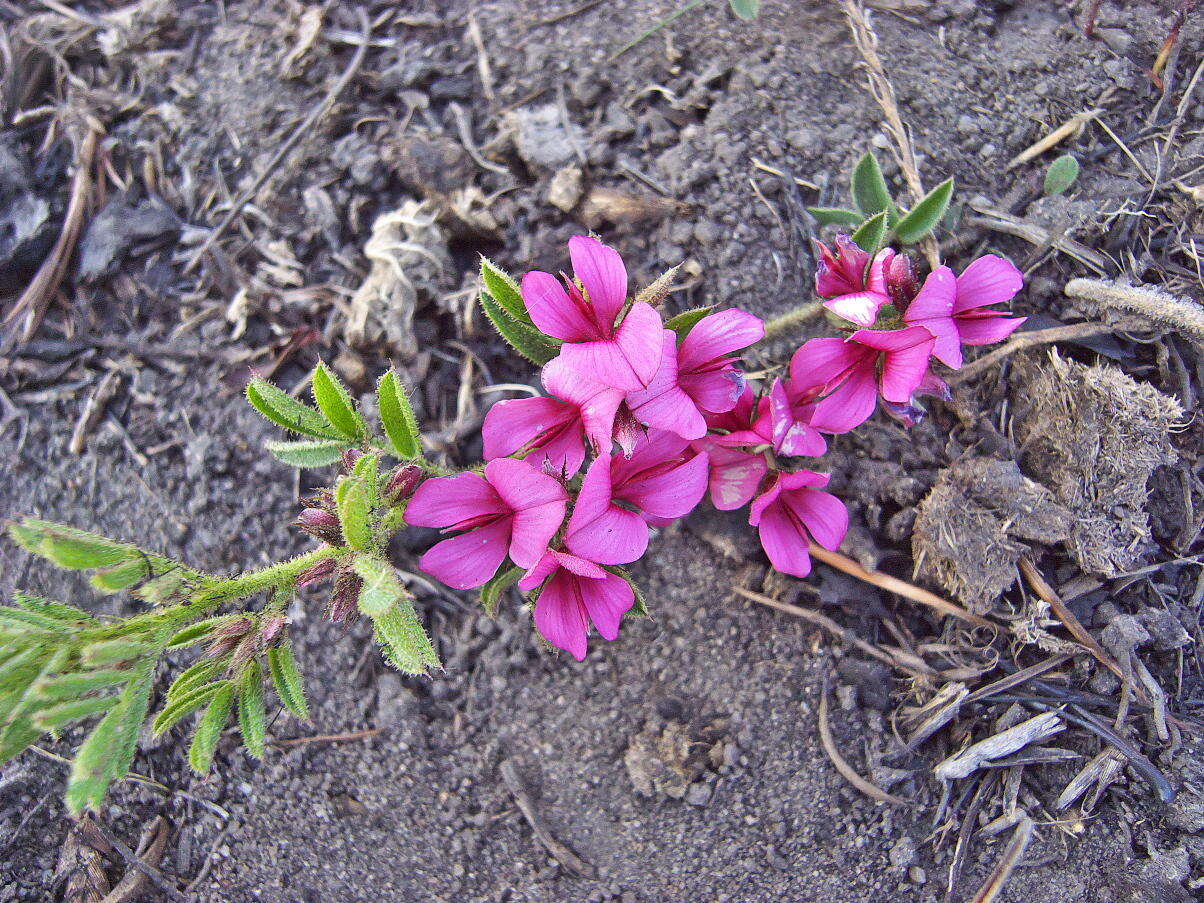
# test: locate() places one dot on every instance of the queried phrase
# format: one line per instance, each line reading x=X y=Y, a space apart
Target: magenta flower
x=854 y=288
x=583 y=312
x=790 y=513
x=549 y=429
x=735 y=475
x=707 y=358
x=956 y=309
x=855 y=370
x=513 y=509
x=597 y=404
x=664 y=404
x=663 y=479
x=575 y=592
x=783 y=423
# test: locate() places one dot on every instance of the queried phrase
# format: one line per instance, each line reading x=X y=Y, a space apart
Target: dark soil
x=681 y=763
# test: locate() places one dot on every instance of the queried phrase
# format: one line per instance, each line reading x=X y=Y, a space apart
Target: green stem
x=792 y=318
x=669 y=19
x=256 y=581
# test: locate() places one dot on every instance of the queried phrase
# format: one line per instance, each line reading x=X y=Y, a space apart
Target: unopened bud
x=350 y=457
x=319 y=571
x=403 y=483
x=344 y=602
x=321 y=524
x=901 y=282
x=227 y=637
x=271 y=630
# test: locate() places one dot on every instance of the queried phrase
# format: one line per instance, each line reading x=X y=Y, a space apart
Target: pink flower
x=956 y=309
x=790 y=513
x=664 y=404
x=855 y=370
x=549 y=429
x=513 y=509
x=855 y=289
x=734 y=475
x=597 y=404
x=575 y=592
x=663 y=479
x=783 y=423
x=707 y=357
x=624 y=356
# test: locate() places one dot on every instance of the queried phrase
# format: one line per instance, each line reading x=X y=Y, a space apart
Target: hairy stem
x=256 y=581
x=792 y=318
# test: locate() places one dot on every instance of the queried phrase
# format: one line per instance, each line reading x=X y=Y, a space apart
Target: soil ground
x=416 y=808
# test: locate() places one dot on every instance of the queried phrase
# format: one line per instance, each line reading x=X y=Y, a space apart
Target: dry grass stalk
x=841 y=765
x=884 y=93
x=526 y=805
x=1011 y=857
x=1002 y=221
x=965 y=763
x=1024 y=340
x=1067 y=129
x=151 y=846
x=1145 y=301
x=899 y=587
x=93 y=408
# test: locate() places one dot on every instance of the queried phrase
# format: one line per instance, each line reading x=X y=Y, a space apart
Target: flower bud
x=321 y=524
x=344 y=603
x=319 y=571
x=840 y=271
x=350 y=457
x=403 y=483
x=227 y=636
x=271 y=630
x=901 y=282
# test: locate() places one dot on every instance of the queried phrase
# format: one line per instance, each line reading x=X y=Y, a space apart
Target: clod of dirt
x=1095 y=436
x=622 y=208
x=668 y=759
x=565 y=188
x=969 y=528
x=543 y=136
x=123 y=228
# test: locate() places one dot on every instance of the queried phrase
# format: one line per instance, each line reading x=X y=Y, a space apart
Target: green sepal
x=683 y=322
x=872 y=234
x=308 y=453
x=405 y=643
x=397 y=417
x=836 y=216
x=639 y=608
x=355 y=512
x=209 y=730
x=505 y=291
x=282 y=409
x=287 y=680
x=658 y=290
x=252 y=713
x=870 y=194
x=522 y=337
x=925 y=216
x=336 y=403
x=491 y=592
x=382 y=589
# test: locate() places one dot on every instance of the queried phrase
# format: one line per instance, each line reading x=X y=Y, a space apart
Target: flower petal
x=539 y=421
x=735 y=476
x=599 y=530
x=903 y=370
x=552 y=311
x=824 y=515
x=717 y=336
x=820 y=363
x=786 y=548
x=560 y=615
x=988 y=280
x=639 y=335
x=470 y=559
x=663 y=404
x=850 y=405
x=932 y=308
x=606 y=601
x=596 y=402
x=860 y=307
x=539 y=502
x=670 y=493
x=987 y=330
x=445 y=501
x=601 y=271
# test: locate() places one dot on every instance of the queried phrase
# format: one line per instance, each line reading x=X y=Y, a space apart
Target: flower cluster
x=642 y=418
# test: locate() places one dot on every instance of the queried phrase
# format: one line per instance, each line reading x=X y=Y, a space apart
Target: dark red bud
x=321 y=524
x=344 y=602
x=271 y=629
x=319 y=571
x=350 y=457
x=901 y=282
x=403 y=483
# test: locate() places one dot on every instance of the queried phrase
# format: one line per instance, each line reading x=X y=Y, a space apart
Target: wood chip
x=970 y=759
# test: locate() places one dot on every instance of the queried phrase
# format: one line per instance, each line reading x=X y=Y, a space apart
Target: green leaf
x=523 y=338
x=121 y=576
x=687 y=320
x=68 y=547
x=252 y=714
x=336 y=403
x=355 y=512
x=209 y=730
x=382 y=589
x=287 y=680
x=57 y=717
x=60 y=611
x=90 y=779
x=73 y=686
x=921 y=219
x=397 y=417
x=836 y=216
x=185 y=704
x=110 y=652
x=194 y=633
x=746 y=9
x=33 y=619
x=198 y=673
x=505 y=291
x=872 y=233
x=283 y=410
x=310 y=453
x=870 y=193
x=367 y=471
x=406 y=645
x=132 y=712
x=491 y=592
x=1061 y=174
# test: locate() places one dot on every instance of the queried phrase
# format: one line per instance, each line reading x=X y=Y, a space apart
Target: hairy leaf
x=287 y=680
x=315 y=453
x=687 y=320
x=355 y=513
x=1061 y=174
x=183 y=705
x=336 y=403
x=872 y=233
x=90 y=779
x=33 y=619
x=73 y=686
x=491 y=592
x=59 y=610
x=505 y=291
x=523 y=338
x=397 y=417
x=836 y=216
x=121 y=576
x=921 y=219
x=191 y=678
x=57 y=717
x=133 y=709
x=110 y=652
x=870 y=193
x=382 y=589
x=252 y=714
x=283 y=410
x=406 y=645
x=209 y=730
x=746 y=9
x=200 y=630
x=68 y=547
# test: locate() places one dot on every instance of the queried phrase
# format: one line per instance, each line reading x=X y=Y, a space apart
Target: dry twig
x=329 y=738
x=526 y=805
x=1011 y=857
x=841 y=765
x=1024 y=340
